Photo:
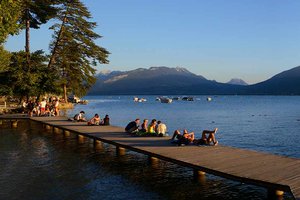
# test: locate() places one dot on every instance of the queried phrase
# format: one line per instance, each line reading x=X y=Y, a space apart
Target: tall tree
x=73 y=49
x=34 y=14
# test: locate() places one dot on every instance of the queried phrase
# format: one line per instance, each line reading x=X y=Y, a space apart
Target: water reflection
x=38 y=164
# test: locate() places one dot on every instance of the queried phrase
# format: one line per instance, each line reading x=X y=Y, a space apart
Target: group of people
x=207 y=137
x=157 y=128
x=154 y=128
x=42 y=108
x=96 y=120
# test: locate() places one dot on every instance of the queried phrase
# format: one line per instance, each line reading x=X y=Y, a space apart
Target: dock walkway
x=276 y=173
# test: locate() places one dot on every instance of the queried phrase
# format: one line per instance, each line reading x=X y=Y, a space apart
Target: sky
x=218 y=39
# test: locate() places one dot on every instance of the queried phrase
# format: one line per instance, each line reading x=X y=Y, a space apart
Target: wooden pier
x=276 y=173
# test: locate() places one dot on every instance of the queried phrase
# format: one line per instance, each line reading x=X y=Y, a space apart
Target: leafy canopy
x=10 y=14
x=74 y=51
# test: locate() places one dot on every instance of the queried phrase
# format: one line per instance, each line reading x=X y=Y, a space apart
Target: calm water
x=38 y=164
x=264 y=123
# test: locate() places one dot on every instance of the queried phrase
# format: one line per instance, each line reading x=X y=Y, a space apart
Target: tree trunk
x=27 y=38
x=65 y=93
x=59 y=36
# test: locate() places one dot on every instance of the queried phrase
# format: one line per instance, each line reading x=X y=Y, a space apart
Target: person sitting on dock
x=151 y=128
x=133 y=127
x=144 y=126
x=161 y=129
x=105 y=121
x=95 y=120
x=79 y=117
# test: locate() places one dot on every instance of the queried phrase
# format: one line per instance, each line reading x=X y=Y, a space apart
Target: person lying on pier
x=207 y=138
x=186 y=137
x=95 y=120
x=133 y=127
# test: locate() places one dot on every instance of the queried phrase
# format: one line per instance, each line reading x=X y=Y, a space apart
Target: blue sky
x=219 y=39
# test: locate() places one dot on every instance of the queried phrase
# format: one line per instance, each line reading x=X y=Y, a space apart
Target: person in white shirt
x=80 y=117
x=43 y=107
x=161 y=129
x=56 y=109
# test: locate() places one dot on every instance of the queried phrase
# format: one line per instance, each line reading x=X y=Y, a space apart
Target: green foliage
x=10 y=14
x=4 y=59
x=37 y=12
x=21 y=81
x=74 y=52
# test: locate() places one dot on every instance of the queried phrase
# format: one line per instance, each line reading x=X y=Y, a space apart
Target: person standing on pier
x=56 y=110
x=43 y=104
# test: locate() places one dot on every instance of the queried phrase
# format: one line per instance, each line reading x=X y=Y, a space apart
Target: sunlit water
x=38 y=164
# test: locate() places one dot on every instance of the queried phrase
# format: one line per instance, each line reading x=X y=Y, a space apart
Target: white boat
x=142 y=100
x=84 y=102
x=208 y=98
x=75 y=99
x=136 y=99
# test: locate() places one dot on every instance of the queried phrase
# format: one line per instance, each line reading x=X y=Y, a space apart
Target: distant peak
x=181 y=69
x=105 y=72
x=237 y=81
x=154 y=68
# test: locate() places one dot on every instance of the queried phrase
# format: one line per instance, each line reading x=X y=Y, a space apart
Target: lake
x=37 y=164
x=263 y=123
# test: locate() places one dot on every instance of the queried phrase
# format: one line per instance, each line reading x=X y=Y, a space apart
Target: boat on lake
x=176 y=98
x=75 y=99
x=165 y=100
x=136 y=99
x=188 y=98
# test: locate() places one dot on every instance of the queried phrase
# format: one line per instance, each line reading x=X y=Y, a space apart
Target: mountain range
x=180 y=81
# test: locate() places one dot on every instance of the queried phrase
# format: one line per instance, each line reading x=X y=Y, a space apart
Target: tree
x=4 y=59
x=73 y=50
x=34 y=14
x=10 y=13
x=17 y=80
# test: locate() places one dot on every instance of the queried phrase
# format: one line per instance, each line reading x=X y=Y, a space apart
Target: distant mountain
x=237 y=81
x=179 y=81
x=158 y=80
x=284 y=83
